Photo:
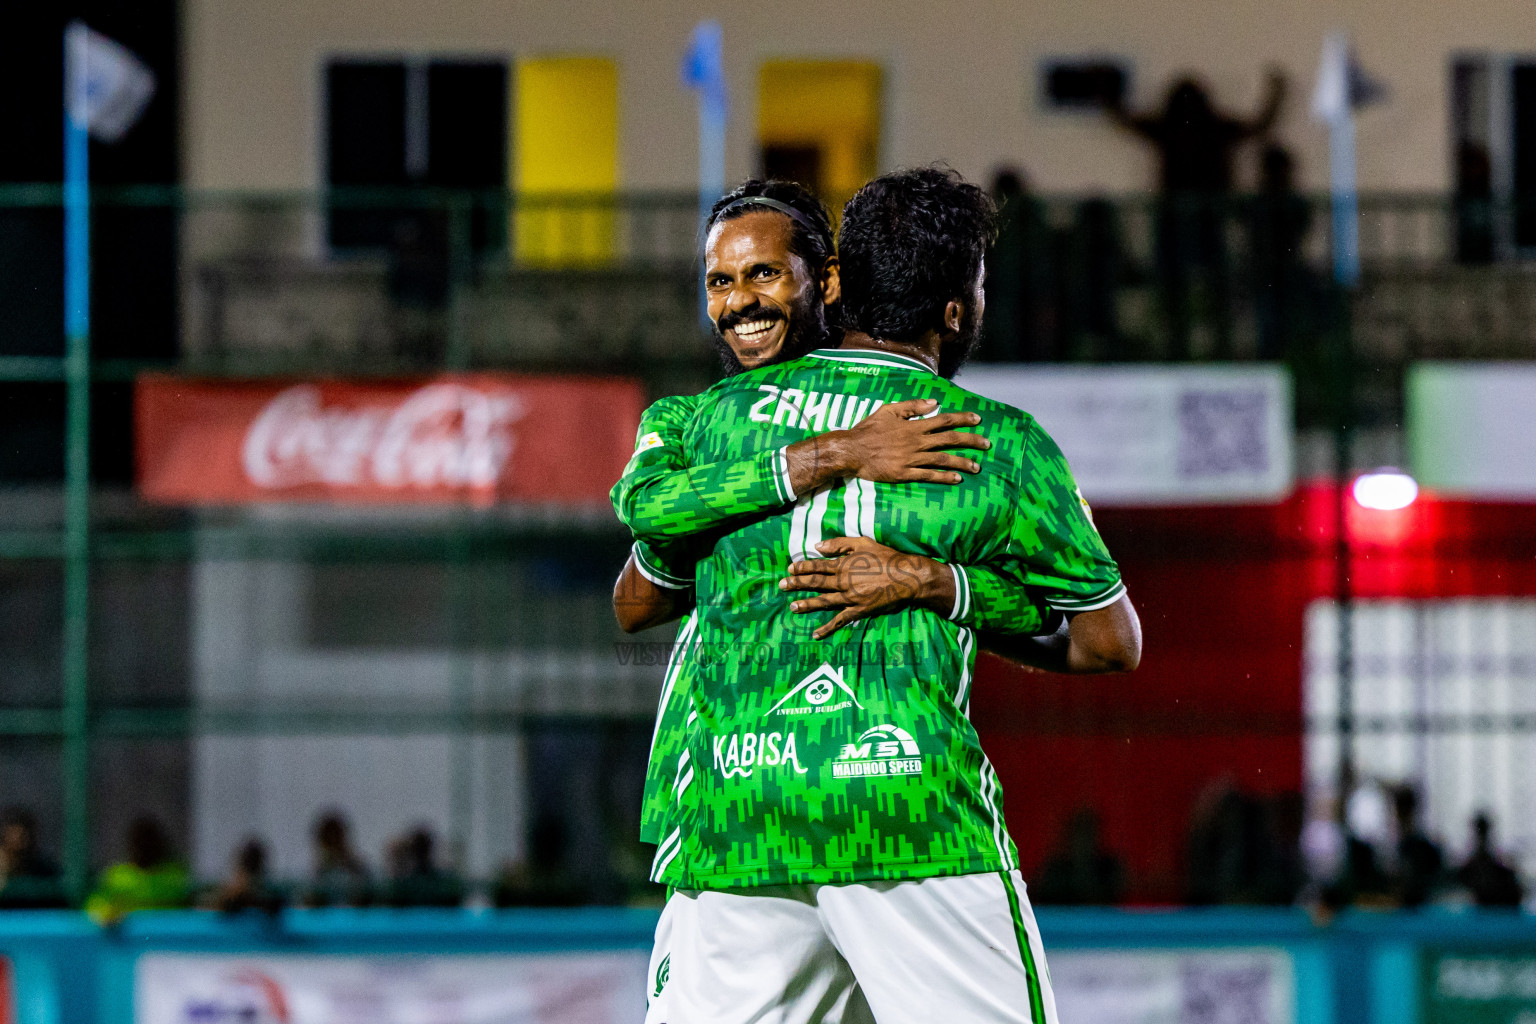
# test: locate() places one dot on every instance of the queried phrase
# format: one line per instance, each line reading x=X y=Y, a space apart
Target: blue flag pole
x=704 y=72
x=77 y=237
x=1345 y=196
x=77 y=468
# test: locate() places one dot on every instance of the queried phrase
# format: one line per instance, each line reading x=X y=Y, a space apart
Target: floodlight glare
x=1386 y=490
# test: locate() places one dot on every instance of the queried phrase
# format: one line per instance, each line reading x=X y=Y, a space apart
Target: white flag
x=1330 y=100
x=107 y=86
x=1342 y=84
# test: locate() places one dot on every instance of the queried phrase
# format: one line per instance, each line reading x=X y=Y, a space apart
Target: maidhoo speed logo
x=883 y=750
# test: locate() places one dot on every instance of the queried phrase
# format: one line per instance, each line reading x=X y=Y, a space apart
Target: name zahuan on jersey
x=811 y=410
x=893 y=655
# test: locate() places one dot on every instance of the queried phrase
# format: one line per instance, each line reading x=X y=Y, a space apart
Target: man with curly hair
x=837 y=838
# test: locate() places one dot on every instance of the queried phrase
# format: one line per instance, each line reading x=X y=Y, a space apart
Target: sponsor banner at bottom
x=564 y=988
x=1251 y=986
x=1473 y=986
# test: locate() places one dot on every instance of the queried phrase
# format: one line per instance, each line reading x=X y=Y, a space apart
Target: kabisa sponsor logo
x=744 y=753
x=813 y=694
x=881 y=750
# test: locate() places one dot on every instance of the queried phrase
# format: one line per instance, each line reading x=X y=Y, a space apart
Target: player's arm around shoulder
x=656 y=584
x=658 y=453
x=654 y=587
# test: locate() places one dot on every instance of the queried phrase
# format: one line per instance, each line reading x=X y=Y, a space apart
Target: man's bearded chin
x=805 y=331
x=961 y=347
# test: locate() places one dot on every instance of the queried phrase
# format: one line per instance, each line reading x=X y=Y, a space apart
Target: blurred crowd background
x=327 y=701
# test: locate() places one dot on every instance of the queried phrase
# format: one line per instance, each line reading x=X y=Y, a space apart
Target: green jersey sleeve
x=993 y=601
x=670 y=566
x=660 y=495
x=1052 y=541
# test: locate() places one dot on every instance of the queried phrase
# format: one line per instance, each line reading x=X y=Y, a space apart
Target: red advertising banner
x=478 y=438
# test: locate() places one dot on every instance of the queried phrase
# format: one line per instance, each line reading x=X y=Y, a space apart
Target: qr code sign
x=1222 y=433
x=1225 y=995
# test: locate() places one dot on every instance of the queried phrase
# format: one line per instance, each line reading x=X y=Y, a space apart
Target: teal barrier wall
x=1430 y=968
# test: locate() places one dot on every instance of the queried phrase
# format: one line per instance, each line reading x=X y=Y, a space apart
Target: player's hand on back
x=901 y=442
x=860 y=578
x=905 y=441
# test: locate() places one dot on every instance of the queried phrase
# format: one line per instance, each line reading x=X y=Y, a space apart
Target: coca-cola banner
x=477 y=438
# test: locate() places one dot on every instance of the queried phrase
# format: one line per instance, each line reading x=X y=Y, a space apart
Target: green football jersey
x=676 y=506
x=852 y=758
x=668 y=563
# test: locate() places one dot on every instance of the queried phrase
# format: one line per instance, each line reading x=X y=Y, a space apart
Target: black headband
x=772 y=204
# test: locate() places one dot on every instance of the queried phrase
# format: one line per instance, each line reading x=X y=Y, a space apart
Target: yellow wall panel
x=565 y=160
x=831 y=105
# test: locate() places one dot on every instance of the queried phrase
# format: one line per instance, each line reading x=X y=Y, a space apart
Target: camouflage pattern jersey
x=852 y=758
x=673 y=508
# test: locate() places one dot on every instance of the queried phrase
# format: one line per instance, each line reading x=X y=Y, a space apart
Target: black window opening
x=1082 y=84
x=794 y=163
x=393 y=125
x=1493 y=157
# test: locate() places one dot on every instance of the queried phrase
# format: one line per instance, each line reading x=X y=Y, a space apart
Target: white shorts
x=957 y=949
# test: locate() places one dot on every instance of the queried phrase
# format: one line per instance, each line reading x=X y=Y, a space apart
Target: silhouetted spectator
x=1359 y=878
x=1491 y=882
x=1362 y=880
x=543 y=880
x=1283 y=872
x=1091 y=273
x=247 y=887
x=1081 y=870
x=1277 y=230
x=1420 y=864
x=1227 y=848
x=1196 y=150
x=1196 y=143
x=150 y=879
x=419 y=283
x=415 y=879
x=28 y=879
x=1322 y=843
x=341 y=879
x=1016 y=327
x=1474 y=204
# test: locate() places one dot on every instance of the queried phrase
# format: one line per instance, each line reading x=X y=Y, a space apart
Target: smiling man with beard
x=771 y=276
x=837 y=845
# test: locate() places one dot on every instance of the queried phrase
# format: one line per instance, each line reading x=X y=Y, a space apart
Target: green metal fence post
x=77 y=603
x=1346 y=417
x=461 y=279
x=460 y=558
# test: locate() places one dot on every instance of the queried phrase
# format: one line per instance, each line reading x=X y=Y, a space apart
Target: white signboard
x=1472 y=428
x=564 y=988
x=1155 y=435
x=1174 y=987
